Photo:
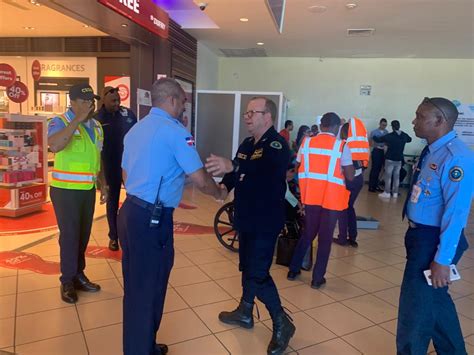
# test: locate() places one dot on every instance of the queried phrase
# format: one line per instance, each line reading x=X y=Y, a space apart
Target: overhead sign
x=18 y=92
x=7 y=75
x=36 y=70
x=143 y=12
x=465 y=123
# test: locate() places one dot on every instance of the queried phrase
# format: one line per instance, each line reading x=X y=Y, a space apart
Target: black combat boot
x=283 y=330
x=241 y=316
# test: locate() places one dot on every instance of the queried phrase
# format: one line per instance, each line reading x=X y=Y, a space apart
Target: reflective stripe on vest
x=78 y=178
x=334 y=155
x=358 y=142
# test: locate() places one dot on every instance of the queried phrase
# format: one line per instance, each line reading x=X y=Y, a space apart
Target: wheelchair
x=229 y=237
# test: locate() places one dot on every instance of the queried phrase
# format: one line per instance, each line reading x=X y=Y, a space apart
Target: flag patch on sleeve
x=190 y=141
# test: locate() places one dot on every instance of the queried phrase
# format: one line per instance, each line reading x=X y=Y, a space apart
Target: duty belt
x=144 y=204
x=414 y=225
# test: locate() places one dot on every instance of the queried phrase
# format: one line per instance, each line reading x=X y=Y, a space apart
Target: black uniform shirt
x=260 y=183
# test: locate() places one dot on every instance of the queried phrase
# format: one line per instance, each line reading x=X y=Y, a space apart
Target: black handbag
x=285 y=249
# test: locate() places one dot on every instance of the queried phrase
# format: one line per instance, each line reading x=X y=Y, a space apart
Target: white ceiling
x=17 y=14
x=403 y=28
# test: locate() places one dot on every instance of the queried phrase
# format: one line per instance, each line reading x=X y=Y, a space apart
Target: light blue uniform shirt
x=378 y=133
x=56 y=124
x=159 y=146
x=445 y=189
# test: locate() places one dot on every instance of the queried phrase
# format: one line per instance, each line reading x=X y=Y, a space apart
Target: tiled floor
x=355 y=313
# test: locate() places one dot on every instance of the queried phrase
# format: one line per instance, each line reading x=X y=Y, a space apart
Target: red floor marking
x=40 y=221
x=185 y=206
x=103 y=253
x=27 y=261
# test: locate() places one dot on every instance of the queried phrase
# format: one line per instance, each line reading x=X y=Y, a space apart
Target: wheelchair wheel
x=224 y=227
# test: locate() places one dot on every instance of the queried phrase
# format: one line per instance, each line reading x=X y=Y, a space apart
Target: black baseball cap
x=82 y=91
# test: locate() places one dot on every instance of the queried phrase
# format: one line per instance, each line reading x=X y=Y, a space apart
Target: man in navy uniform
x=437 y=210
x=258 y=174
x=116 y=121
x=158 y=153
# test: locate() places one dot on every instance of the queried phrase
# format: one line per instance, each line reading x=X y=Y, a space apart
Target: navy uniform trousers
x=114 y=181
x=318 y=221
x=348 y=217
x=377 y=157
x=147 y=259
x=256 y=257
x=74 y=211
x=426 y=313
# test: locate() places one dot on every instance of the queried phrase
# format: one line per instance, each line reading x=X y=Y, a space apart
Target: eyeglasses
x=250 y=114
x=427 y=100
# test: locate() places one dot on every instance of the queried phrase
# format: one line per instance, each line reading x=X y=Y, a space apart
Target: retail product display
x=23 y=172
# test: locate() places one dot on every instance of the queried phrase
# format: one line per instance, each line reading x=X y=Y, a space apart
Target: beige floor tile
x=308 y=331
x=340 y=289
x=390 y=274
x=468 y=275
x=207 y=345
x=465 y=306
x=469 y=340
x=110 y=289
x=339 y=319
x=105 y=341
x=187 y=276
x=232 y=285
x=100 y=314
x=208 y=256
x=4 y=272
x=39 y=301
x=331 y=347
x=33 y=282
x=73 y=344
x=34 y=327
x=180 y=326
x=180 y=260
x=373 y=308
x=304 y=297
x=391 y=326
x=391 y=295
x=209 y=314
x=190 y=244
x=7 y=306
x=381 y=341
x=467 y=325
x=462 y=287
x=7 y=351
x=279 y=277
x=362 y=261
x=116 y=269
x=367 y=281
x=241 y=341
x=202 y=293
x=386 y=257
x=261 y=309
x=221 y=269
x=173 y=301
x=8 y=285
x=99 y=272
x=338 y=251
x=7 y=329
x=340 y=268
x=44 y=250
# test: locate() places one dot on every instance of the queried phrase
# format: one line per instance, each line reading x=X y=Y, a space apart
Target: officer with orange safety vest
x=355 y=134
x=77 y=140
x=325 y=164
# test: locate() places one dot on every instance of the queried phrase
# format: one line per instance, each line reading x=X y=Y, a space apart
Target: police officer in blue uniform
x=116 y=121
x=258 y=174
x=154 y=188
x=437 y=209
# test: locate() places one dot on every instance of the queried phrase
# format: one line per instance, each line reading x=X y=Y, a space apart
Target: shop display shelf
x=20 y=183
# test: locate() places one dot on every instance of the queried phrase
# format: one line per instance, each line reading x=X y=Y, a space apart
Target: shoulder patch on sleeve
x=276 y=145
x=456 y=174
x=190 y=141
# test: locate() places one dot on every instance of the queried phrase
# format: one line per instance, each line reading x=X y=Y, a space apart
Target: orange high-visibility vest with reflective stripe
x=319 y=174
x=358 y=142
x=77 y=165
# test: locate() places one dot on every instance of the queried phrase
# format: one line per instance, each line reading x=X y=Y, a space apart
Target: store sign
x=7 y=75
x=123 y=84
x=36 y=70
x=31 y=195
x=143 y=12
x=18 y=92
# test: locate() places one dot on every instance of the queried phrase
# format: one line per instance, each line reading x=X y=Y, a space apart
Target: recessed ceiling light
x=351 y=6
x=244 y=19
x=28 y=28
x=260 y=43
x=124 y=25
x=317 y=8
x=86 y=26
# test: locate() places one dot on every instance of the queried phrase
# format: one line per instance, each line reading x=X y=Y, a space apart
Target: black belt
x=414 y=225
x=146 y=205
